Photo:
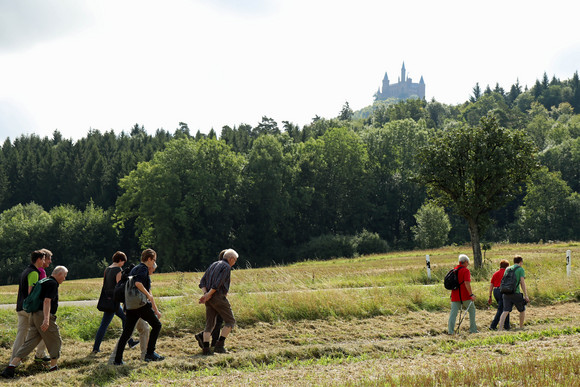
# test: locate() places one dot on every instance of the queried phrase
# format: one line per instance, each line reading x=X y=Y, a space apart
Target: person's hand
x=204 y=298
x=489 y=301
x=157 y=313
x=473 y=297
x=44 y=325
x=527 y=299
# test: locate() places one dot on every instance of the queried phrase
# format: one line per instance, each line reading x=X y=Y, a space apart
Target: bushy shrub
x=366 y=242
x=328 y=246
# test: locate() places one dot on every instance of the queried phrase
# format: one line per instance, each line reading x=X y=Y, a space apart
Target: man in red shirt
x=462 y=297
x=494 y=287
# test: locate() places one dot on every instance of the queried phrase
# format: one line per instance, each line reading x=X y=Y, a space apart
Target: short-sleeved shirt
x=141 y=274
x=50 y=290
x=520 y=273
x=33 y=277
x=42 y=273
x=496 y=278
x=463 y=275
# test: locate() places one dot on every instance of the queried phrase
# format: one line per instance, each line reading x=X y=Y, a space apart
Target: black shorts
x=517 y=299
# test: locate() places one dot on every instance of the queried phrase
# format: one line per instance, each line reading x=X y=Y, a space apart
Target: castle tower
x=403 y=79
x=385 y=83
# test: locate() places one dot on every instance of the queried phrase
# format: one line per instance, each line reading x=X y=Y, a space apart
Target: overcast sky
x=74 y=65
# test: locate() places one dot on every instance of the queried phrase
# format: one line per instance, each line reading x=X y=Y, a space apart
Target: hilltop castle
x=404 y=89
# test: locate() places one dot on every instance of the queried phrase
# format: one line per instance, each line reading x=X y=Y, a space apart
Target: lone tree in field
x=475 y=170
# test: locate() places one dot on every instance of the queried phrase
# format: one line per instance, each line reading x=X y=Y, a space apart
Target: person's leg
x=53 y=341
x=119 y=313
x=40 y=351
x=21 y=331
x=224 y=310
x=522 y=319
x=507 y=308
x=105 y=321
x=215 y=334
x=499 y=300
x=470 y=305
x=132 y=317
x=143 y=329
x=210 y=320
x=148 y=315
x=32 y=339
x=453 y=316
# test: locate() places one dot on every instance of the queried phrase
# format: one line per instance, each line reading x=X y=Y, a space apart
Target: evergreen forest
x=362 y=182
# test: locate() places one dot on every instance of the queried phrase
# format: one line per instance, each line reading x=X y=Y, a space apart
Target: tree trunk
x=475 y=245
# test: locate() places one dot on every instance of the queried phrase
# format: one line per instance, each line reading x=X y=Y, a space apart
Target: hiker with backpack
x=461 y=294
x=513 y=278
x=28 y=279
x=107 y=304
x=494 y=289
x=42 y=321
x=148 y=311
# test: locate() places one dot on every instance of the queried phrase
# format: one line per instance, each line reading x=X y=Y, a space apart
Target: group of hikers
x=506 y=286
x=37 y=326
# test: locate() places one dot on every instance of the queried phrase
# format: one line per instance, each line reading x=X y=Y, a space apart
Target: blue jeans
x=107 y=318
x=499 y=298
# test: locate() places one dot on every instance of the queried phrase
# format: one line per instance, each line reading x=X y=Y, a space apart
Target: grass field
x=373 y=320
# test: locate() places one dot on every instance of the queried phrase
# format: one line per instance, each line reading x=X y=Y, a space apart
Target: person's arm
x=32 y=279
x=206 y=296
x=468 y=288
x=490 y=292
x=523 y=285
x=149 y=296
x=46 y=313
x=119 y=274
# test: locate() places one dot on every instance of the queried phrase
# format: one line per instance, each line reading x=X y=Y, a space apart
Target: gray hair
x=230 y=253
x=59 y=269
x=463 y=258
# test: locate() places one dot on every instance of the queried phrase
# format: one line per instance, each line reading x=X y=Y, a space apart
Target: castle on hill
x=404 y=89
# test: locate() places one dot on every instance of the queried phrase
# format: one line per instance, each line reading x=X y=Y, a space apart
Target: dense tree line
x=278 y=193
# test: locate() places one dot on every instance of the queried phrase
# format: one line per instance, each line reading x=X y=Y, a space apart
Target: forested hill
x=278 y=192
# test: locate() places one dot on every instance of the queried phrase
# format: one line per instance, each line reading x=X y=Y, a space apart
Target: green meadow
x=369 y=320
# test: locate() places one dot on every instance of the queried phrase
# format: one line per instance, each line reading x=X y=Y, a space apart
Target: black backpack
x=451 y=281
x=119 y=292
x=509 y=282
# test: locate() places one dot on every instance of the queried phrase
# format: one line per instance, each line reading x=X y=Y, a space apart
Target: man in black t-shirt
x=43 y=324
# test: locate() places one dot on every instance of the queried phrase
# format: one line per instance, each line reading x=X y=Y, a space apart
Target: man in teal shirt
x=517 y=298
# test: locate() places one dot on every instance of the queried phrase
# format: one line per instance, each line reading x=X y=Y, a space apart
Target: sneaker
x=206 y=352
x=154 y=357
x=220 y=349
x=41 y=359
x=8 y=373
x=52 y=369
x=133 y=343
x=119 y=363
x=199 y=338
x=94 y=353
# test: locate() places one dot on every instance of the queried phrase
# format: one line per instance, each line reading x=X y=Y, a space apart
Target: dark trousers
x=499 y=298
x=147 y=314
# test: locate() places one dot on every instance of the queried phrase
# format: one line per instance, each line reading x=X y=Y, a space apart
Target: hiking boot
x=132 y=343
x=219 y=347
x=154 y=357
x=41 y=359
x=206 y=351
x=199 y=338
x=8 y=373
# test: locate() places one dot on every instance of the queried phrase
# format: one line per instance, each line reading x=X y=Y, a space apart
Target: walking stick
x=462 y=315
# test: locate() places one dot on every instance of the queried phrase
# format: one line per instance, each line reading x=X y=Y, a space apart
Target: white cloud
x=212 y=63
